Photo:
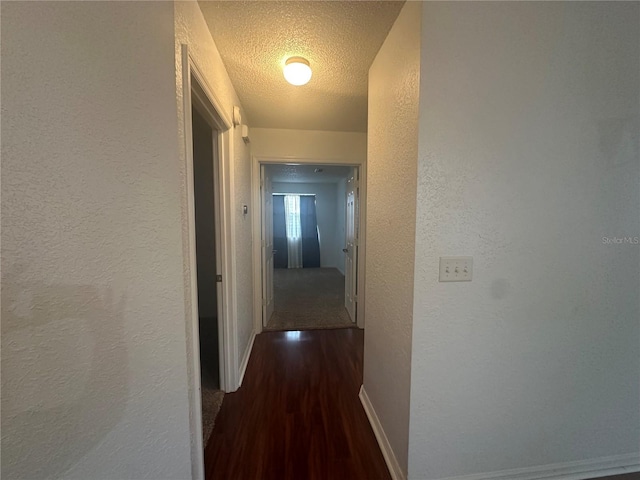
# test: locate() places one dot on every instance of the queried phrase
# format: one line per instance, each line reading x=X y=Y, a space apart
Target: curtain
x=309 y=232
x=281 y=257
x=293 y=230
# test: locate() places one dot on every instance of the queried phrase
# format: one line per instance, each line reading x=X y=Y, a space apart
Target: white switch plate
x=456 y=269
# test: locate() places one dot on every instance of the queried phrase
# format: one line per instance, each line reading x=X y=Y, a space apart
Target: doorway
x=207 y=155
x=309 y=257
x=204 y=180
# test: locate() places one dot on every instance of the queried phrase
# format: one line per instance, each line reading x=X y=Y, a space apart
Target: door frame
x=196 y=89
x=267 y=308
x=256 y=226
x=355 y=177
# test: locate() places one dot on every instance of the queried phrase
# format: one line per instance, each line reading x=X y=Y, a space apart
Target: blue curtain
x=281 y=258
x=309 y=227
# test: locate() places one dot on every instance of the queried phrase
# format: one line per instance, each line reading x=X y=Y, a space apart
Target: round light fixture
x=297 y=71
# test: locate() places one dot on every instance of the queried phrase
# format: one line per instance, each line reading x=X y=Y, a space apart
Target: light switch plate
x=456 y=269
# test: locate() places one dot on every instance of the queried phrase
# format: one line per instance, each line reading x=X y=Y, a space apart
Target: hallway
x=297 y=414
x=504 y=132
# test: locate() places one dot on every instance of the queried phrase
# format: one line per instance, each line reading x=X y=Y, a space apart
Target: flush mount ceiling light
x=297 y=71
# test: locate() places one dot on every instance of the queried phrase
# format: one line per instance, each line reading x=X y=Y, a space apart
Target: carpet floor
x=211 y=403
x=307 y=299
x=211 y=395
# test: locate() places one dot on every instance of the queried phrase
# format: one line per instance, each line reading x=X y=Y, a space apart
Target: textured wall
x=243 y=258
x=528 y=157
x=391 y=206
x=273 y=142
x=191 y=29
x=326 y=209
x=94 y=379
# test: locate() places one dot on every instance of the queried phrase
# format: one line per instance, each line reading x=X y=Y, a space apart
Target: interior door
x=267 y=245
x=351 y=249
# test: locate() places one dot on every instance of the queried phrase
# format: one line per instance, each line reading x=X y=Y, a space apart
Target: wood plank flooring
x=297 y=415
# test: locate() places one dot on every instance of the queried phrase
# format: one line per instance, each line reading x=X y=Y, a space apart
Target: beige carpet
x=211 y=394
x=308 y=298
x=211 y=403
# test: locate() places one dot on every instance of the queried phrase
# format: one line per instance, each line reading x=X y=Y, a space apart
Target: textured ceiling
x=339 y=38
x=306 y=173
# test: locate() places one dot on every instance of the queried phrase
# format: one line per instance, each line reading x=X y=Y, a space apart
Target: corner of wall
x=383 y=442
x=390 y=231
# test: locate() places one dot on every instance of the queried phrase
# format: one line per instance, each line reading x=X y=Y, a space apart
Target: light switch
x=456 y=269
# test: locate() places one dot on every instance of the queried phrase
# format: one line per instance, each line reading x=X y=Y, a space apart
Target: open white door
x=351 y=249
x=267 y=245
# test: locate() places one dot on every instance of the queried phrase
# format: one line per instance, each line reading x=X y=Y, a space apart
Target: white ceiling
x=339 y=38
x=305 y=173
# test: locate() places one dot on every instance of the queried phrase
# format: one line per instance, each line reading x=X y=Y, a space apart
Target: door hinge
x=264 y=302
x=219 y=278
x=355 y=298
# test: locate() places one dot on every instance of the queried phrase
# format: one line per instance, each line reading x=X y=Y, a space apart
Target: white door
x=351 y=249
x=267 y=246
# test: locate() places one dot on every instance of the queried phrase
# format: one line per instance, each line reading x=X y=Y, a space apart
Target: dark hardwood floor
x=297 y=415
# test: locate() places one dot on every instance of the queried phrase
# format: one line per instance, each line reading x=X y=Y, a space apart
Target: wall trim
x=381 y=437
x=245 y=358
x=197 y=91
x=580 y=470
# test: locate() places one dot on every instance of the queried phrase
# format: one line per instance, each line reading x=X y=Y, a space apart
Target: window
x=293 y=229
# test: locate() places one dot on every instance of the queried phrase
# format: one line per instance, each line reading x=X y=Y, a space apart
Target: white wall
x=97 y=372
x=341 y=210
x=326 y=209
x=273 y=142
x=391 y=205
x=528 y=157
x=94 y=374
x=191 y=29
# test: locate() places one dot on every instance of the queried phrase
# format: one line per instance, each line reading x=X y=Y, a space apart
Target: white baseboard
x=245 y=358
x=383 y=442
x=581 y=470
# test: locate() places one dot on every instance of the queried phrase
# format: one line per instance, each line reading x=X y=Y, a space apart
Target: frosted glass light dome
x=297 y=71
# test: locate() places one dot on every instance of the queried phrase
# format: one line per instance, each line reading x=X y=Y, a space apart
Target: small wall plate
x=456 y=269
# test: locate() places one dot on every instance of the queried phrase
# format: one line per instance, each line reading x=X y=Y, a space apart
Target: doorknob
x=345 y=250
